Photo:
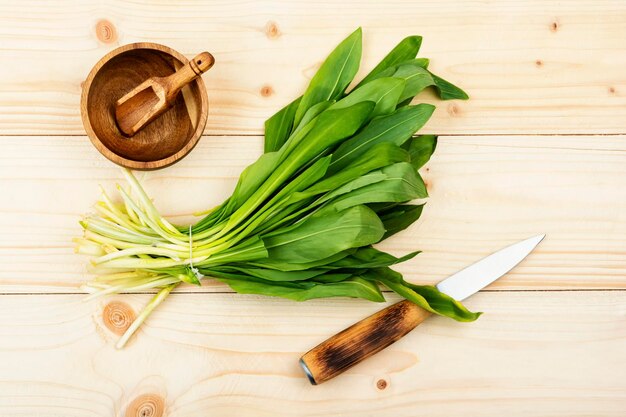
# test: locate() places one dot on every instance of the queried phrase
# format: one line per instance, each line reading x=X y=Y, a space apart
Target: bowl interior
x=166 y=135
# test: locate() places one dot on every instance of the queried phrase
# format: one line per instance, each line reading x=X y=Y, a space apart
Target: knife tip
x=536 y=239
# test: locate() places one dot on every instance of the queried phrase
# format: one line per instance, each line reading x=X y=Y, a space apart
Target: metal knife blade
x=482 y=273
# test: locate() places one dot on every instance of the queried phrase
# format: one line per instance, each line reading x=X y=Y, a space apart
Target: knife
x=374 y=333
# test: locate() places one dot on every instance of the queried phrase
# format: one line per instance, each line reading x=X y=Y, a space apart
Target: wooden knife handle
x=360 y=341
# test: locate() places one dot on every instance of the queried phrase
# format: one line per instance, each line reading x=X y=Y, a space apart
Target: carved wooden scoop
x=154 y=96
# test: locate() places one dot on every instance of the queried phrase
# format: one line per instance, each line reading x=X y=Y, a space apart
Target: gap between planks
x=429 y=133
x=383 y=291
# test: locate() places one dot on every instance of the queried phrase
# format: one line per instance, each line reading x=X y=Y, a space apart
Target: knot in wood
x=118 y=316
x=381 y=384
x=267 y=91
x=454 y=110
x=105 y=31
x=146 y=405
x=271 y=30
x=554 y=26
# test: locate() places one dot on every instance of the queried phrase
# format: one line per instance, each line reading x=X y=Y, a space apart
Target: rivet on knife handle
x=360 y=341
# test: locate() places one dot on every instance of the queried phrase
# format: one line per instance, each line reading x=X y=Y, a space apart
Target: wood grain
x=543 y=354
x=486 y=192
x=537 y=66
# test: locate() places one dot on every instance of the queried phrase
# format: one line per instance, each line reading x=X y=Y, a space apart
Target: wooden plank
x=486 y=192
x=540 y=353
x=539 y=66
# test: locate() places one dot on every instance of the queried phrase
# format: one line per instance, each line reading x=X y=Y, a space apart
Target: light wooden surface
x=540 y=148
x=530 y=66
x=532 y=353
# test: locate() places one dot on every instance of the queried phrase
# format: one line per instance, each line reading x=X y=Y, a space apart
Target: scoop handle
x=361 y=340
x=189 y=72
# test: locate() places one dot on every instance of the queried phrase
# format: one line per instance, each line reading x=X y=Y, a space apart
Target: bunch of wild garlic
x=338 y=172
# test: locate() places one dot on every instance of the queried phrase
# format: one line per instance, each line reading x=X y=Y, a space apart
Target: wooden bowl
x=165 y=140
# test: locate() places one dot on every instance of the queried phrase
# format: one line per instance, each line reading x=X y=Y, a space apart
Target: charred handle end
x=360 y=341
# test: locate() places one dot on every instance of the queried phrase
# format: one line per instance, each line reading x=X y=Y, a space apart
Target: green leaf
x=252 y=249
x=320 y=237
x=395 y=128
x=369 y=257
x=307 y=178
x=294 y=139
x=330 y=127
x=312 y=113
x=371 y=178
x=416 y=80
x=269 y=274
x=330 y=276
x=402 y=184
x=384 y=92
x=422 y=62
x=426 y=296
x=278 y=202
x=334 y=75
x=302 y=291
x=442 y=303
x=298 y=266
x=447 y=90
x=252 y=177
x=421 y=149
x=399 y=218
x=403 y=51
x=278 y=127
x=379 y=156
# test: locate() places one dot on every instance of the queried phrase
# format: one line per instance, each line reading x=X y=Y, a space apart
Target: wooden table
x=540 y=148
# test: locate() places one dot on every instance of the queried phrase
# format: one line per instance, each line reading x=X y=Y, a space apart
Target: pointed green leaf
x=312 y=113
x=447 y=90
x=334 y=75
x=321 y=237
x=421 y=149
x=278 y=127
x=402 y=184
x=270 y=274
x=403 y=51
x=399 y=218
x=369 y=257
x=395 y=128
x=379 y=156
x=296 y=266
x=307 y=290
x=442 y=303
x=331 y=126
x=416 y=80
x=426 y=296
x=384 y=92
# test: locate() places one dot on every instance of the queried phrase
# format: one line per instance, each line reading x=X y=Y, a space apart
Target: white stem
x=158 y=299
